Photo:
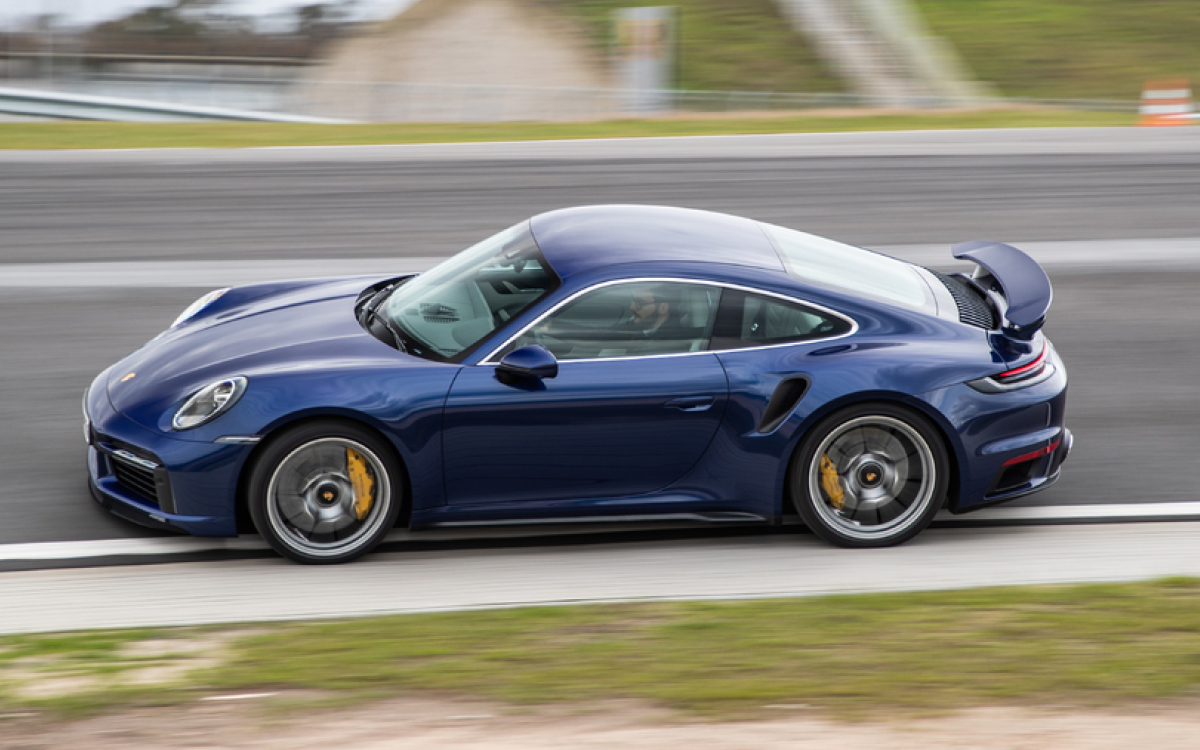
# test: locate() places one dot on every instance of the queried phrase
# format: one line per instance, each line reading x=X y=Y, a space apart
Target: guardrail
x=164 y=98
x=69 y=106
x=400 y=101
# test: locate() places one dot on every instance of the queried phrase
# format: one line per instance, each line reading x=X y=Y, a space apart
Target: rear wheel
x=325 y=492
x=872 y=475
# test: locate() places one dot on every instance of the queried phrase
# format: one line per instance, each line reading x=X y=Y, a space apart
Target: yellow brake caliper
x=364 y=483
x=830 y=483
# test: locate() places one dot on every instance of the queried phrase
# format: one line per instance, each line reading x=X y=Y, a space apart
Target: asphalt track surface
x=432 y=201
x=1125 y=327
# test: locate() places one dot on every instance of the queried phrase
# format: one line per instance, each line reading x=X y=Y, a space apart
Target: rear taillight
x=1024 y=372
x=1030 y=373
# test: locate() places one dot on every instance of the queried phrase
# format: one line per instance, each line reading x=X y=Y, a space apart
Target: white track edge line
x=99 y=548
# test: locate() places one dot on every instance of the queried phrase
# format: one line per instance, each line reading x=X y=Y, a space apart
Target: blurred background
x=492 y=60
x=100 y=250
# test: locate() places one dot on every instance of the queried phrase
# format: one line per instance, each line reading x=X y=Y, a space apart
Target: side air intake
x=787 y=394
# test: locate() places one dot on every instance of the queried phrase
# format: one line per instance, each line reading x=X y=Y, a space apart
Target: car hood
x=263 y=330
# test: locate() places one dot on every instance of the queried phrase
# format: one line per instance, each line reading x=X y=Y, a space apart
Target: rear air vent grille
x=972 y=309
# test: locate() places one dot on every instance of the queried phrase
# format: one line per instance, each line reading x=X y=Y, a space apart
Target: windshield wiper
x=389 y=325
x=377 y=299
x=371 y=310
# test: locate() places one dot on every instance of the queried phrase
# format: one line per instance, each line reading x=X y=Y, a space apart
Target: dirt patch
x=158 y=661
x=172 y=658
x=157 y=648
x=39 y=687
x=420 y=723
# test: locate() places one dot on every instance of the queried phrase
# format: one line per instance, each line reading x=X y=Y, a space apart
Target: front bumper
x=116 y=497
x=160 y=482
x=131 y=510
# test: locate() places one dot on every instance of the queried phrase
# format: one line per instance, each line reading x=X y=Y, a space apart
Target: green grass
x=242 y=135
x=1074 y=49
x=848 y=655
x=723 y=45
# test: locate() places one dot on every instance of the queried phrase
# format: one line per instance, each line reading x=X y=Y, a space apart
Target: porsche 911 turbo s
x=592 y=363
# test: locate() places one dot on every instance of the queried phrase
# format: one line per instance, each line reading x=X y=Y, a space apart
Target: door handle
x=691 y=403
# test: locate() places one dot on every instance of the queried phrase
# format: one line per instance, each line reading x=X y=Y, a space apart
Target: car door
x=633 y=407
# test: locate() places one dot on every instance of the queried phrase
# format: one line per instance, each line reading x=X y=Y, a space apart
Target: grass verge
x=1071 y=49
x=846 y=655
x=110 y=135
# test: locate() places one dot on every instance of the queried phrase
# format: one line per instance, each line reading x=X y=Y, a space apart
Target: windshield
x=451 y=308
x=831 y=264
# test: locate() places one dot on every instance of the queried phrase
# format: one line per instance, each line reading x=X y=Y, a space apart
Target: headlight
x=209 y=402
x=194 y=309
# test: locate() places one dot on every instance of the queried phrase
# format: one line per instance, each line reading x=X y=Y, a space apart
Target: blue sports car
x=592 y=363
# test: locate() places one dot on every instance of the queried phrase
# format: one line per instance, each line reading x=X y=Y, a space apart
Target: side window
x=747 y=320
x=633 y=319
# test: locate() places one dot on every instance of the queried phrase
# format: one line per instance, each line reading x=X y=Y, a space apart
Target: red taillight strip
x=1035 y=454
x=1041 y=358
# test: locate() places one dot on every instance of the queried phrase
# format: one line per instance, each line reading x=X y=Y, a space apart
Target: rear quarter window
x=748 y=320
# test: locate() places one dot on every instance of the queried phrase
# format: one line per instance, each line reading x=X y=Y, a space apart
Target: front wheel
x=872 y=475
x=325 y=492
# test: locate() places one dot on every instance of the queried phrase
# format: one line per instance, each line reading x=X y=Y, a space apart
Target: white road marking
x=168 y=546
x=1059 y=257
x=1081 y=256
x=97 y=548
x=1098 y=513
x=197 y=274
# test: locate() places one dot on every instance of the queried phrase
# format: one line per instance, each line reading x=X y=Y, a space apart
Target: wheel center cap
x=328 y=494
x=870 y=475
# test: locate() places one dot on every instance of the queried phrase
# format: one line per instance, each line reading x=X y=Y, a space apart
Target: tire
x=871 y=475
x=325 y=492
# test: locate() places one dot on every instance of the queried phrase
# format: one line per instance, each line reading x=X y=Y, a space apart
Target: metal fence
x=396 y=101
x=426 y=102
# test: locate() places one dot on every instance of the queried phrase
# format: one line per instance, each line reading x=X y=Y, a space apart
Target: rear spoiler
x=1014 y=281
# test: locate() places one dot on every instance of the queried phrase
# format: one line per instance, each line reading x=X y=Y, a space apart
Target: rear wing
x=1018 y=285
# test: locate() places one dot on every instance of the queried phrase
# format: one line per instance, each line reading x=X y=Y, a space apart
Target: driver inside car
x=655 y=314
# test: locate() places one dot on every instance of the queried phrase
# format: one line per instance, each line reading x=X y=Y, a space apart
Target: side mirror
x=531 y=361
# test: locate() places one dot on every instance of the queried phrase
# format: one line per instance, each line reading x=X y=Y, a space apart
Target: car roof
x=589 y=237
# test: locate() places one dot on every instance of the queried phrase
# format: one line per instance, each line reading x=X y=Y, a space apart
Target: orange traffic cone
x=1167 y=102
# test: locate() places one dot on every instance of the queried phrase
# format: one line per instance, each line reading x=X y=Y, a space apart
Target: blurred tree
x=323 y=21
x=172 y=20
x=208 y=28
x=722 y=45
